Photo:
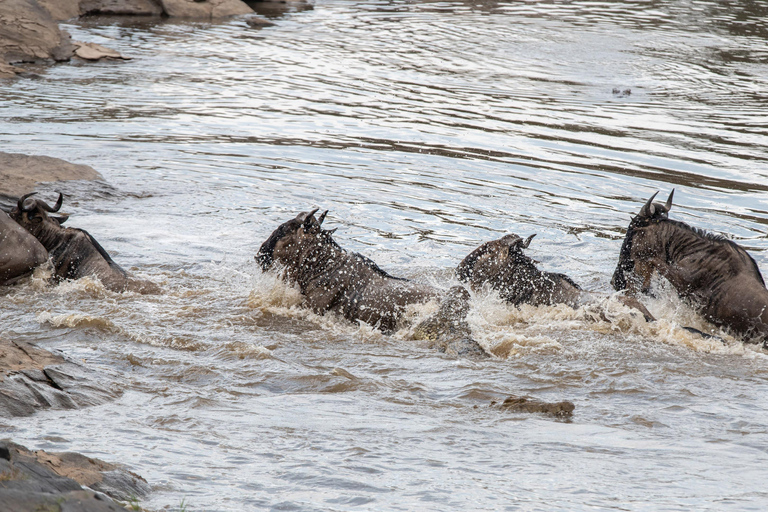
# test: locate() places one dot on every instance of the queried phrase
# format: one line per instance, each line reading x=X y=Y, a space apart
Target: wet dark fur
x=502 y=265
x=74 y=253
x=335 y=280
x=717 y=276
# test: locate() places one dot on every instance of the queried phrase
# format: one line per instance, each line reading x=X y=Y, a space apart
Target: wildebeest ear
x=61 y=220
x=648 y=209
x=322 y=217
x=669 y=200
x=527 y=241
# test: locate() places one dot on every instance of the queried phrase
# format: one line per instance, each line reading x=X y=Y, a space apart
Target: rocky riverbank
x=29 y=29
x=33 y=379
x=35 y=481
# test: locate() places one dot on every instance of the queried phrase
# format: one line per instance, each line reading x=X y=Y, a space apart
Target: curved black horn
x=527 y=241
x=669 y=200
x=648 y=209
x=306 y=217
x=302 y=217
x=322 y=217
x=23 y=198
x=56 y=207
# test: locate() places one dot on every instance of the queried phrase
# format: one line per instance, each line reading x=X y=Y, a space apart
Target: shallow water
x=426 y=128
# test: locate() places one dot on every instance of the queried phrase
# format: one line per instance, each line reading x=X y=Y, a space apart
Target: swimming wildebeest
x=332 y=279
x=20 y=252
x=714 y=274
x=74 y=253
x=502 y=264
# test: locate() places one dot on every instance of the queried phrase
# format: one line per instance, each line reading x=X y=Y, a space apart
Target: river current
x=425 y=128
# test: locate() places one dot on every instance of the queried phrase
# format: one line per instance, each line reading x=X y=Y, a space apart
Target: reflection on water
x=425 y=128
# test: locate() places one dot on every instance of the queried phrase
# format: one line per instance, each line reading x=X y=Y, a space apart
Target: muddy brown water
x=425 y=128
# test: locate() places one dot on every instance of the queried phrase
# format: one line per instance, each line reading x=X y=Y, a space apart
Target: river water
x=426 y=128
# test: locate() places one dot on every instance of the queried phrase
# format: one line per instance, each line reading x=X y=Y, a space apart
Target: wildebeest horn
x=56 y=207
x=302 y=217
x=669 y=200
x=527 y=242
x=648 y=209
x=23 y=198
x=306 y=219
x=322 y=217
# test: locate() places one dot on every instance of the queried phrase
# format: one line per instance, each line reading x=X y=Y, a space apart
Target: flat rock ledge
x=20 y=174
x=35 y=481
x=32 y=379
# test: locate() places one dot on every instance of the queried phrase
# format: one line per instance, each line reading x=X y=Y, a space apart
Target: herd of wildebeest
x=713 y=274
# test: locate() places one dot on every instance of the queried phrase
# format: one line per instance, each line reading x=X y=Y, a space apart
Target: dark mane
x=714 y=237
x=718 y=239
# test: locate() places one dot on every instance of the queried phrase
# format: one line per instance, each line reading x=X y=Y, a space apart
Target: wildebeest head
x=32 y=213
x=292 y=241
x=650 y=213
x=493 y=258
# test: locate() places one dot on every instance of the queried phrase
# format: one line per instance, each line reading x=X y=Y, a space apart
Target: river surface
x=426 y=128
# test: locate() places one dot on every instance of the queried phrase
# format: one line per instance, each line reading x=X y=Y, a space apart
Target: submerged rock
x=562 y=409
x=41 y=481
x=32 y=379
x=255 y=21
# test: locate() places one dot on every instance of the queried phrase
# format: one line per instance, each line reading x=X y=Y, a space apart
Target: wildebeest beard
x=332 y=279
x=715 y=275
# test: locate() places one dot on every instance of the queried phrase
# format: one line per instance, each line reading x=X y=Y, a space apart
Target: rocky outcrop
x=29 y=33
x=121 y=7
x=20 y=251
x=40 y=481
x=32 y=379
x=19 y=174
x=207 y=9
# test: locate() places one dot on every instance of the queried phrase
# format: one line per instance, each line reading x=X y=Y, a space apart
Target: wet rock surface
x=20 y=174
x=33 y=379
x=29 y=33
x=37 y=481
x=562 y=409
x=29 y=30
